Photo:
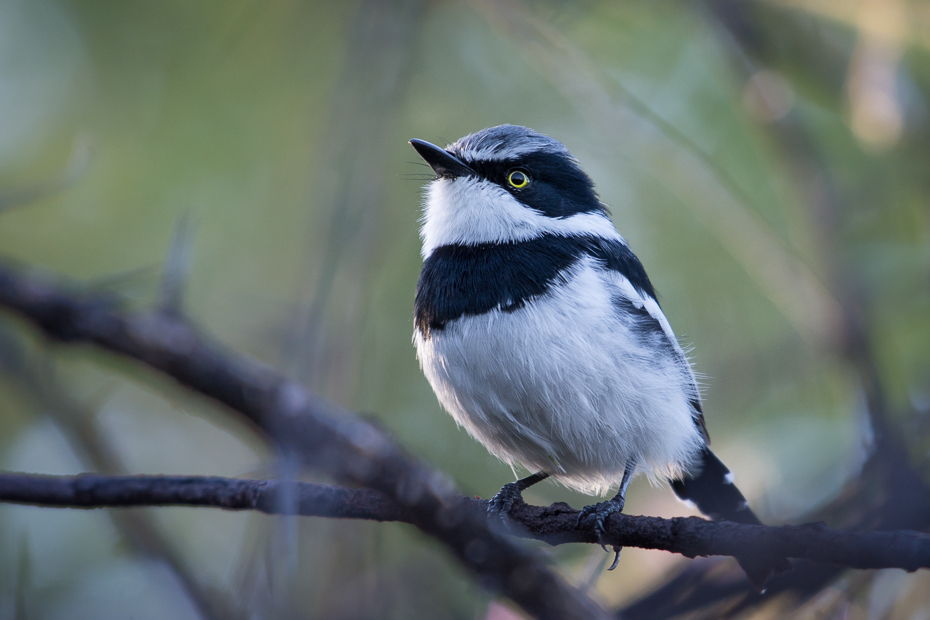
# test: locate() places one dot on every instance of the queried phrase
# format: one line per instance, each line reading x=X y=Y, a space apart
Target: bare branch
x=556 y=524
x=96 y=491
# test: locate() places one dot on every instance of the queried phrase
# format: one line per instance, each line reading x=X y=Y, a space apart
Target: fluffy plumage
x=546 y=386
x=540 y=331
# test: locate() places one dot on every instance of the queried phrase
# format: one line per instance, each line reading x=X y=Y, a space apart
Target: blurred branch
x=751 y=47
x=349 y=180
x=324 y=435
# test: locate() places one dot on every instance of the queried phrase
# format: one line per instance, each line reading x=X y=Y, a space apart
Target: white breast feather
x=563 y=386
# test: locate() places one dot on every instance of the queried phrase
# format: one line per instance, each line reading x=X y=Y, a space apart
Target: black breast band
x=459 y=280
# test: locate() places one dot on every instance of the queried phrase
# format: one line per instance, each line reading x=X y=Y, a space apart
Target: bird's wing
x=636 y=299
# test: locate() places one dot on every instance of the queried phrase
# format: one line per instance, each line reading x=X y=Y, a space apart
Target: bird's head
x=505 y=184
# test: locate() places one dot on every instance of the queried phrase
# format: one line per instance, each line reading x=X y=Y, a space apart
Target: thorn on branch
x=177 y=265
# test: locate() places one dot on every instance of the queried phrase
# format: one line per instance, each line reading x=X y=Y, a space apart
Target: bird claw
x=601 y=512
x=503 y=501
x=616 y=561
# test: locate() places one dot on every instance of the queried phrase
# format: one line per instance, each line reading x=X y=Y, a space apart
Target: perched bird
x=540 y=332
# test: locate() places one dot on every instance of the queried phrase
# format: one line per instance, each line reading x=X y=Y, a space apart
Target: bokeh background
x=768 y=161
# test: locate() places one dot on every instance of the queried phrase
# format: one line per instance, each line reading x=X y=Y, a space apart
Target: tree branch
x=326 y=436
x=556 y=524
x=97 y=491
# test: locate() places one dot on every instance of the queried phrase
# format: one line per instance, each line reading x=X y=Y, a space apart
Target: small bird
x=540 y=333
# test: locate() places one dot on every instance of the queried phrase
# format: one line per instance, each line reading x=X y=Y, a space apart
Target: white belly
x=561 y=386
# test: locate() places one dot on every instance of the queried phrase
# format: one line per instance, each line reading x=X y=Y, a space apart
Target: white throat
x=469 y=211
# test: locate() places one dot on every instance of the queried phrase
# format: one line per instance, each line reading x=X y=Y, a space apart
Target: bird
x=541 y=334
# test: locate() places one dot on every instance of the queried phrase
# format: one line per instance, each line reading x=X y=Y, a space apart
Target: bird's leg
x=511 y=492
x=602 y=510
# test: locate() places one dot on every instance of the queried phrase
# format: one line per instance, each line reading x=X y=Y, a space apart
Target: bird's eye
x=518 y=179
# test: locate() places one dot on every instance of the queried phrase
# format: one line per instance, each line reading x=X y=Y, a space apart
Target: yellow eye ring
x=518 y=179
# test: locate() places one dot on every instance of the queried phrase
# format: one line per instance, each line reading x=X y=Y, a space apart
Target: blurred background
x=767 y=160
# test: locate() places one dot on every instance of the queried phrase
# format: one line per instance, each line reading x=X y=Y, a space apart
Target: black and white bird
x=540 y=332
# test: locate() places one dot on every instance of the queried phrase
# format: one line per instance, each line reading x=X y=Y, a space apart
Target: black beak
x=443 y=163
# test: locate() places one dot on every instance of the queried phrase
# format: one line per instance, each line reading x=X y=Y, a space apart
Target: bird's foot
x=601 y=512
x=503 y=501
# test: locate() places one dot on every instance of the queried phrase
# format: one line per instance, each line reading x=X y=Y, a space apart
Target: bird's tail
x=711 y=489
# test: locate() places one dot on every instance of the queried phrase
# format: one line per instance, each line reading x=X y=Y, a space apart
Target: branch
x=96 y=491
x=556 y=524
x=325 y=435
